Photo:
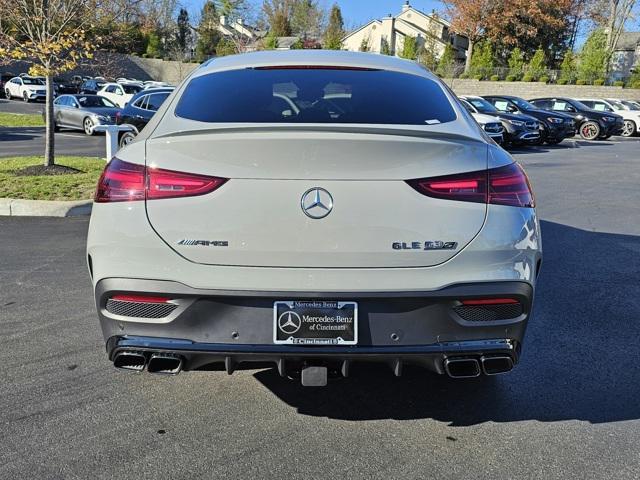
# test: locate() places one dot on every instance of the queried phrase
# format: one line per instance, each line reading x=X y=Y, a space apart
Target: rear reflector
x=125 y=182
x=506 y=185
x=140 y=299
x=490 y=301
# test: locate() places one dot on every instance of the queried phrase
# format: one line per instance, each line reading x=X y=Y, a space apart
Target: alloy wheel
x=629 y=128
x=589 y=131
x=88 y=125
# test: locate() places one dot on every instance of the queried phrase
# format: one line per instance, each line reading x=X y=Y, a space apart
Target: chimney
x=223 y=20
x=406 y=6
x=389 y=32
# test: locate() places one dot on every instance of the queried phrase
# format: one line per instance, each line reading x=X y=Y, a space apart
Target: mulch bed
x=38 y=170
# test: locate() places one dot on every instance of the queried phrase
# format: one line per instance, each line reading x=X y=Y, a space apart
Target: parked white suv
x=26 y=88
x=631 y=117
x=119 y=93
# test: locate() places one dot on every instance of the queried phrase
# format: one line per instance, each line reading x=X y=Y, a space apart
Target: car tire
x=555 y=141
x=126 y=139
x=87 y=125
x=7 y=94
x=629 y=129
x=25 y=97
x=590 y=130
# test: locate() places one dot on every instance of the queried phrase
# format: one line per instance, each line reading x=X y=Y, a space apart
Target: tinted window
x=32 y=81
x=141 y=102
x=156 y=100
x=544 y=104
x=61 y=101
x=95 y=101
x=131 y=89
x=482 y=105
x=315 y=96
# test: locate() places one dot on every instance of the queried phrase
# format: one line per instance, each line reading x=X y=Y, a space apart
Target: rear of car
x=330 y=208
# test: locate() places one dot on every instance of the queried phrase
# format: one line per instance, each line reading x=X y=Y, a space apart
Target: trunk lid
x=257 y=217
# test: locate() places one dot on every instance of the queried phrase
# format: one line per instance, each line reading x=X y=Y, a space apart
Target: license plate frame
x=315 y=322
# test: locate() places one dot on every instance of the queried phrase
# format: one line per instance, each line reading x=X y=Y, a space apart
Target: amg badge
x=204 y=243
x=428 y=245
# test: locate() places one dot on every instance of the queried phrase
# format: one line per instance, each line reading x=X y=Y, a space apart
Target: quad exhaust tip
x=465 y=367
x=462 y=367
x=495 y=365
x=131 y=361
x=164 y=364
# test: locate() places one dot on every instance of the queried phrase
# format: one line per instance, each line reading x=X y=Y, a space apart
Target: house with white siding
x=389 y=33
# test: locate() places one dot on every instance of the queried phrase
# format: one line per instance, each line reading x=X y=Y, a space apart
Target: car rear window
x=314 y=95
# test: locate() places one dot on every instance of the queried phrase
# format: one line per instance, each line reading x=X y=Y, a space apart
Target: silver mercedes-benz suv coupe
x=313 y=209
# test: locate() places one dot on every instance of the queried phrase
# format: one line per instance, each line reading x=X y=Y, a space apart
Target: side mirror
x=512 y=109
x=571 y=109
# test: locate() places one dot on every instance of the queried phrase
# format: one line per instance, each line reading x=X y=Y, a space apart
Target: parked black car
x=91 y=86
x=591 y=124
x=4 y=78
x=65 y=86
x=139 y=111
x=518 y=129
x=555 y=127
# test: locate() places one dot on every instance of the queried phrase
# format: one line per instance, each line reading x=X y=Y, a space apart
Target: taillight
x=124 y=182
x=506 y=185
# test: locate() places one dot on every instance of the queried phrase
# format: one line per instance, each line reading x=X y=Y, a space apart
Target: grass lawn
x=21 y=120
x=79 y=185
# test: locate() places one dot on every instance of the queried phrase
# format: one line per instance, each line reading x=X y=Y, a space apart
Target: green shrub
x=495 y=78
x=598 y=82
x=635 y=84
x=511 y=78
x=563 y=81
x=618 y=83
x=478 y=77
x=544 y=79
x=464 y=76
x=581 y=82
x=528 y=78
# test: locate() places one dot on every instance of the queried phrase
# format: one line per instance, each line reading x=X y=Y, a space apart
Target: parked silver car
x=376 y=221
x=83 y=112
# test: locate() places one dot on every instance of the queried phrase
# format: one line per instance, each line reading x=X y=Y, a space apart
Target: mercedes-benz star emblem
x=289 y=322
x=317 y=203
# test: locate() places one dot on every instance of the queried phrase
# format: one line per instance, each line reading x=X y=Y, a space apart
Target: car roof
x=334 y=58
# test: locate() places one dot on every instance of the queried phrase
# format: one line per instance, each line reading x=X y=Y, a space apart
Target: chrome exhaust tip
x=495 y=365
x=164 y=364
x=462 y=367
x=132 y=361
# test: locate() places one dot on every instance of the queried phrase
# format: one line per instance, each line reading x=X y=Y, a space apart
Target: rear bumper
x=231 y=328
x=289 y=359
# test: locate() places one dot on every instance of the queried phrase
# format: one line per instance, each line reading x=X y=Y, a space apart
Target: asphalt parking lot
x=569 y=410
x=30 y=140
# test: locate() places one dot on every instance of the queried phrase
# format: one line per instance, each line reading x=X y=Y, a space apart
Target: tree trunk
x=49 y=142
x=467 y=62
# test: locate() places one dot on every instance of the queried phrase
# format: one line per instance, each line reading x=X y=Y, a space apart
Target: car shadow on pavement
x=580 y=358
x=16 y=134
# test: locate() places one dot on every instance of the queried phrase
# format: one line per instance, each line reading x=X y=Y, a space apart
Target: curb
x=44 y=208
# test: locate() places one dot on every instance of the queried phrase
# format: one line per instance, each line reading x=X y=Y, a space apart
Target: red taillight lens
x=510 y=186
x=500 y=186
x=467 y=187
x=120 y=182
x=124 y=182
x=170 y=184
